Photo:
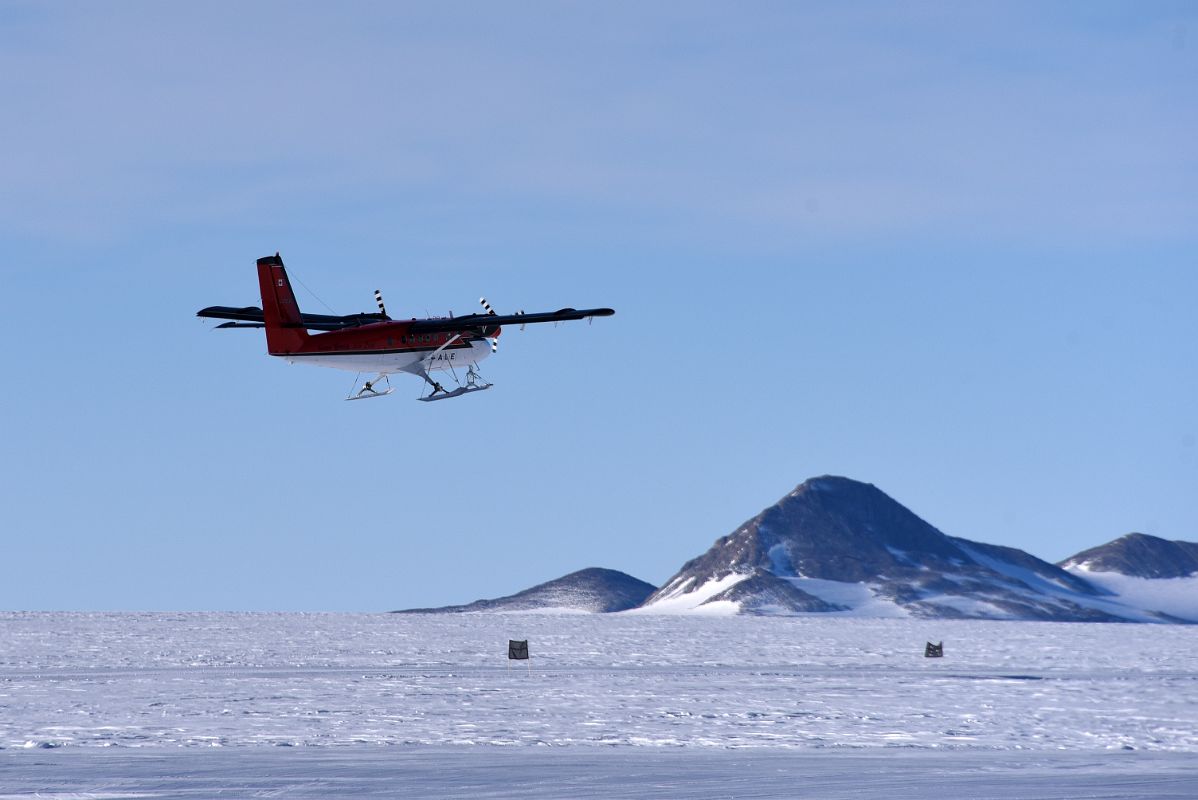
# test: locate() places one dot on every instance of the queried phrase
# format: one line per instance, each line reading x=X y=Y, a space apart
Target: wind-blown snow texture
x=528 y=773
x=183 y=680
x=120 y=705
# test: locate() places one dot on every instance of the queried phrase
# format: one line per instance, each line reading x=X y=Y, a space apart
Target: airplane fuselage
x=388 y=348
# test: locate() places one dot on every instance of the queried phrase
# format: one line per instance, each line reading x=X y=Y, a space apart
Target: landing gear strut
x=368 y=389
x=474 y=383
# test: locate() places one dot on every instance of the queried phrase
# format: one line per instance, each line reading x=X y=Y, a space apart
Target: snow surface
x=1177 y=597
x=602 y=773
x=616 y=705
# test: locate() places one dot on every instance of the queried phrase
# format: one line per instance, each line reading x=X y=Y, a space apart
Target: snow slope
x=683 y=597
x=1177 y=597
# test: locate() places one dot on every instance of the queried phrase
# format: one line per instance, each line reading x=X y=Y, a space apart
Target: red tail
x=285 y=331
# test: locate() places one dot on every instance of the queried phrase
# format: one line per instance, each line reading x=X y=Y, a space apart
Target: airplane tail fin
x=285 y=332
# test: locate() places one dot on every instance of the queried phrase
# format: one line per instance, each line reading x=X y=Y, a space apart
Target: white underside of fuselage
x=414 y=362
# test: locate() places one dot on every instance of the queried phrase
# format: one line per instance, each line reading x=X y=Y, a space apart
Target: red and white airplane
x=375 y=342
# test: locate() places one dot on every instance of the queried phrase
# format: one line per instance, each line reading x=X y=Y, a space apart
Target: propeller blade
x=494 y=346
x=378 y=298
x=487 y=306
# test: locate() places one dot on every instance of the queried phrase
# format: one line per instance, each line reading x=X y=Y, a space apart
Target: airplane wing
x=251 y=317
x=487 y=321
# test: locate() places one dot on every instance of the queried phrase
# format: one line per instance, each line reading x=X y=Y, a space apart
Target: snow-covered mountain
x=589 y=590
x=842 y=547
x=1144 y=571
x=836 y=545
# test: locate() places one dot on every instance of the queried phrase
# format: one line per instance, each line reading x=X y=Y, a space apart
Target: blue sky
x=948 y=249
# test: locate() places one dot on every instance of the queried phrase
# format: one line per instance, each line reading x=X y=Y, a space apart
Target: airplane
x=369 y=342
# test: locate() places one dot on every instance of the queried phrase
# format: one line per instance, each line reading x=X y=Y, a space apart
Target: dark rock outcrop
x=1141 y=556
x=594 y=589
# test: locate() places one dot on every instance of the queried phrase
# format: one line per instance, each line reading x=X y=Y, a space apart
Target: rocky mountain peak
x=835 y=530
x=1139 y=555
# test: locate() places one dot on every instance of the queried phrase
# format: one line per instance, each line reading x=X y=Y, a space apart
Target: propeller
x=378 y=298
x=490 y=311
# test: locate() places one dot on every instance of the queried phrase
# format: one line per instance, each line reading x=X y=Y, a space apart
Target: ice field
x=626 y=705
